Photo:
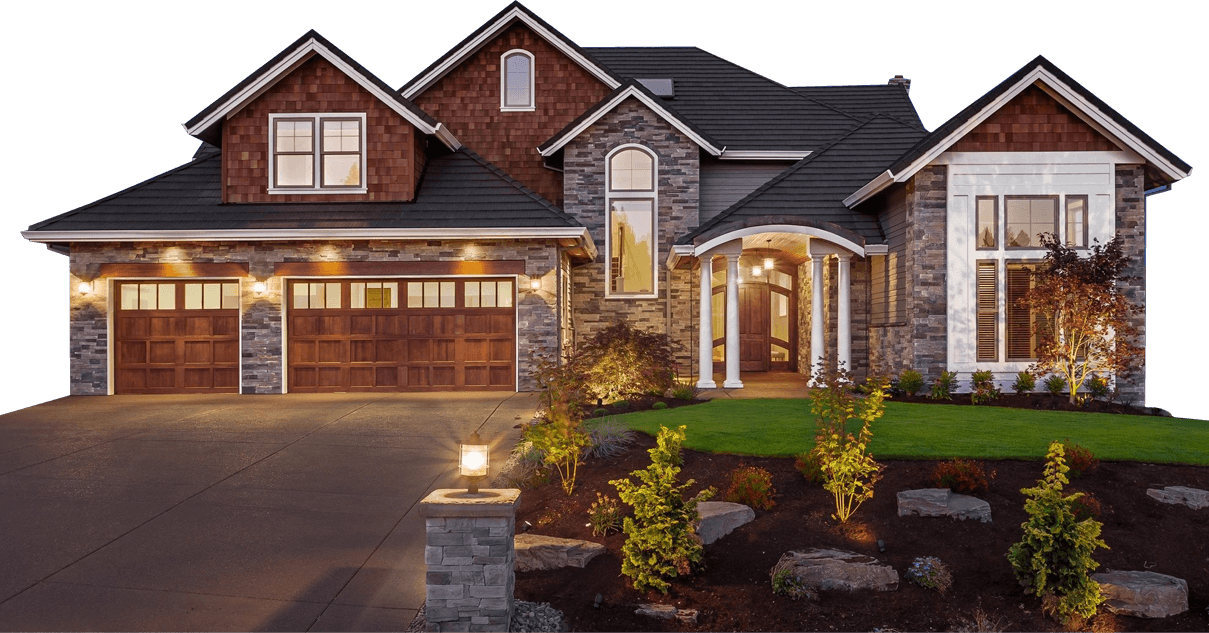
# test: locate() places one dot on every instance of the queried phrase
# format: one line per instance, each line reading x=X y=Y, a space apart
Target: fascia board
x=474 y=45
x=871 y=189
x=622 y=96
x=261 y=235
x=273 y=75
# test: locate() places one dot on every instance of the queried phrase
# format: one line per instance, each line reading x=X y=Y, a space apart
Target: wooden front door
x=753 y=327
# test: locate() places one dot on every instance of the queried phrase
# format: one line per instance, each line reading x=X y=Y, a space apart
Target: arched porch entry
x=751 y=282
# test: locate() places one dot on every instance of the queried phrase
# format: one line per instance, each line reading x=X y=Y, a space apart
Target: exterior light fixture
x=85 y=287
x=755 y=271
x=259 y=287
x=474 y=461
x=768 y=263
x=535 y=284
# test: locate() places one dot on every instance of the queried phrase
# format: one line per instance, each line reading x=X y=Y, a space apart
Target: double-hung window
x=631 y=218
x=317 y=153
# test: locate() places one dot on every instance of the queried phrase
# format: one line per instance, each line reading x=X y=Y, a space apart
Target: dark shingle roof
x=893 y=100
x=739 y=108
x=950 y=126
x=460 y=190
x=814 y=188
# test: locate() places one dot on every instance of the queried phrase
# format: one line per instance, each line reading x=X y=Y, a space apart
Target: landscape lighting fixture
x=474 y=461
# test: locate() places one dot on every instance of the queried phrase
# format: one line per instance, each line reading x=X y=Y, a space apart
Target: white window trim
x=317 y=141
x=504 y=107
x=653 y=196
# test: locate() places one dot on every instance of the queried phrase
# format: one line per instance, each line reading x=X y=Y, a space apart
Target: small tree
x=621 y=360
x=849 y=471
x=1084 y=322
x=561 y=438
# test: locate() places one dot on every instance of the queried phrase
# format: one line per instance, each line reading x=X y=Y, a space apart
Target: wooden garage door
x=176 y=336
x=401 y=334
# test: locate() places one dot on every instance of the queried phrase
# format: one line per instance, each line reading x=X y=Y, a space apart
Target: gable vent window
x=317 y=153
x=516 y=81
x=632 y=222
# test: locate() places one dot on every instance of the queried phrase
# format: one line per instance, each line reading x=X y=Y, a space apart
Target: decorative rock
x=942 y=502
x=667 y=612
x=1194 y=498
x=535 y=552
x=719 y=518
x=836 y=569
x=1144 y=594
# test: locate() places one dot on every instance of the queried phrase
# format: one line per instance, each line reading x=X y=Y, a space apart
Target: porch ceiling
x=791 y=247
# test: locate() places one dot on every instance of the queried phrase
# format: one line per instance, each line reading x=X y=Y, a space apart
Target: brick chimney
x=898 y=80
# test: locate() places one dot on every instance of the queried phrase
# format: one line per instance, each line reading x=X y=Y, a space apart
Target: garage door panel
x=161 y=353
x=386 y=325
x=387 y=376
x=198 y=378
x=304 y=377
x=331 y=377
x=361 y=376
x=134 y=327
x=303 y=352
x=388 y=351
x=500 y=376
x=419 y=325
x=334 y=325
x=161 y=378
x=198 y=353
x=361 y=325
x=226 y=378
x=476 y=350
x=443 y=377
x=199 y=326
x=362 y=351
x=501 y=351
x=304 y=325
x=226 y=326
x=446 y=324
x=226 y=352
x=419 y=351
x=502 y=324
x=161 y=326
x=131 y=380
x=478 y=323
x=417 y=377
x=332 y=352
x=477 y=376
x=444 y=351
x=132 y=352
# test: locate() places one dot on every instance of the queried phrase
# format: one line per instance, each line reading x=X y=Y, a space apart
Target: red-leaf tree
x=1083 y=324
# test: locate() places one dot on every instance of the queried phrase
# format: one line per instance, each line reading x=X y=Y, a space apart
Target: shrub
x=562 y=445
x=1025 y=383
x=808 y=464
x=962 y=476
x=604 y=515
x=600 y=413
x=911 y=382
x=849 y=471
x=942 y=389
x=621 y=405
x=1053 y=558
x=1080 y=460
x=930 y=572
x=982 y=387
x=608 y=437
x=1086 y=507
x=661 y=542
x=621 y=360
x=751 y=486
x=1097 y=386
x=685 y=391
x=659 y=406
x=1055 y=384
x=785 y=582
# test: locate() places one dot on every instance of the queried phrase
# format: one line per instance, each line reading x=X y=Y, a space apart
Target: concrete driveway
x=231 y=513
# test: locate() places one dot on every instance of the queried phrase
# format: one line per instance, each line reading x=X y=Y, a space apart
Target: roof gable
x=205 y=125
x=493 y=27
x=1034 y=121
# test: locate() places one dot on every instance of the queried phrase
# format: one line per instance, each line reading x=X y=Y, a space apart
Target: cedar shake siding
x=391 y=170
x=468 y=101
x=1034 y=122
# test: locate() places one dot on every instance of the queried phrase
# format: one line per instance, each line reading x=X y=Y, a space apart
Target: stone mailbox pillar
x=470 y=558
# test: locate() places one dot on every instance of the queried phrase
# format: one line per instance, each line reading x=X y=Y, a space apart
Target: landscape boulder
x=1143 y=594
x=719 y=518
x=667 y=612
x=535 y=552
x=830 y=569
x=1194 y=498
x=942 y=502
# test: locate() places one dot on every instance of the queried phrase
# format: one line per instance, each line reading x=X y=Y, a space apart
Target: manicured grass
x=927 y=431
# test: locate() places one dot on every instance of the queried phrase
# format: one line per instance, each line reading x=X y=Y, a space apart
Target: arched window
x=632 y=222
x=516 y=80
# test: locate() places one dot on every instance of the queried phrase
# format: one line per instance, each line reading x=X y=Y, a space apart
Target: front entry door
x=753 y=327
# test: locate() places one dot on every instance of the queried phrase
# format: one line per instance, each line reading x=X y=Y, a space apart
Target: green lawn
x=927 y=431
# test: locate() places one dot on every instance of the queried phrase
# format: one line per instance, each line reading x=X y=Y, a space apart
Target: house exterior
x=333 y=233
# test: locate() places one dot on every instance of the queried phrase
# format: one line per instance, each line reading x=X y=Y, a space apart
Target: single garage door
x=176 y=336
x=401 y=334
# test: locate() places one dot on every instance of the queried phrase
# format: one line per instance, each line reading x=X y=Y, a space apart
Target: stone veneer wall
x=1131 y=227
x=804 y=291
x=677 y=191
x=261 y=325
x=858 y=295
x=926 y=274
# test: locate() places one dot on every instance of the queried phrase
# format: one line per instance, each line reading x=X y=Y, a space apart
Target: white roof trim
x=813 y=232
x=731 y=154
x=292 y=61
x=1056 y=88
x=648 y=102
x=264 y=235
x=474 y=45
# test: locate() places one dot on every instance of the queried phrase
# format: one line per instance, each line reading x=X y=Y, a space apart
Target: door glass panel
x=779 y=354
x=230 y=296
x=780 y=316
x=432 y=294
x=356 y=298
x=718 y=278
x=488 y=297
x=147 y=295
x=300 y=296
x=415 y=294
x=317 y=295
x=719 y=353
x=193 y=296
x=211 y=298
x=718 y=301
x=130 y=296
x=333 y=295
x=448 y=288
x=390 y=295
x=781 y=279
x=472 y=294
x=167 y=296
x=504 y=294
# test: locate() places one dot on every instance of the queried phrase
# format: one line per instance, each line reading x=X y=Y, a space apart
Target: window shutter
x=988 y=311
x=1021 y=344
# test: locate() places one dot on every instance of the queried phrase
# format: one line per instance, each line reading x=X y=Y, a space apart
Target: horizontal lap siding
x=725 y=183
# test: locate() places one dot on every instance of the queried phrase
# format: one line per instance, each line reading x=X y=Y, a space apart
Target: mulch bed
x=733 y=592
x=1045 y=402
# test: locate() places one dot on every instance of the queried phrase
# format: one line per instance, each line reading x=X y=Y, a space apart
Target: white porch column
x=732 y=322
x=844 y=313
x=816 y=314
x=705 y=367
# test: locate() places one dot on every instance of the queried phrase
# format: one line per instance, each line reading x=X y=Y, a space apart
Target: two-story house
x=333 y=233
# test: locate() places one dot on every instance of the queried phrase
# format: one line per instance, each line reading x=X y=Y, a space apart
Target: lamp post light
x=474 y=461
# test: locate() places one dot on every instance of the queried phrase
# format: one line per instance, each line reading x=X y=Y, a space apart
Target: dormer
x=313 y=125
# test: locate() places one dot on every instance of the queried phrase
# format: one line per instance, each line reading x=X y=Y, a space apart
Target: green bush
x=600 y=413
x=849 y=471
x=1097 y=386
x=1025 y=383
x=1053 y=560
x=621 y=405
x=621 y=360
x=911 y=382
x=608 y=437
x=751 y=486
x=661 y=541
x=604 y=515
x=1055 y=384
x=982 y=387
x=785 y=581
x=685 y=391
x=942 y=389
x=659 y=406
x=562 y=443
x=808 y=464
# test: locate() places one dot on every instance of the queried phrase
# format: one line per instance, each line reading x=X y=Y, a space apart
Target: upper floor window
x=1028 y=217
x=516 y=80
x=631 y=218
x=317 y=153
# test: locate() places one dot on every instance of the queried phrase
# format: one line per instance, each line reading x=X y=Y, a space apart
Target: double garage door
x=401 y=334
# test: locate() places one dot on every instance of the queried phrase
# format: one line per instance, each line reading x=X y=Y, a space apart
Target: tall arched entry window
x=516 y=80
x=632 y=213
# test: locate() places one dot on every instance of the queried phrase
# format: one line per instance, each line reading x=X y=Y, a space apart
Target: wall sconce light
x=85 y=287
x=474 y=461
x=535 y=284
x=259 y=288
